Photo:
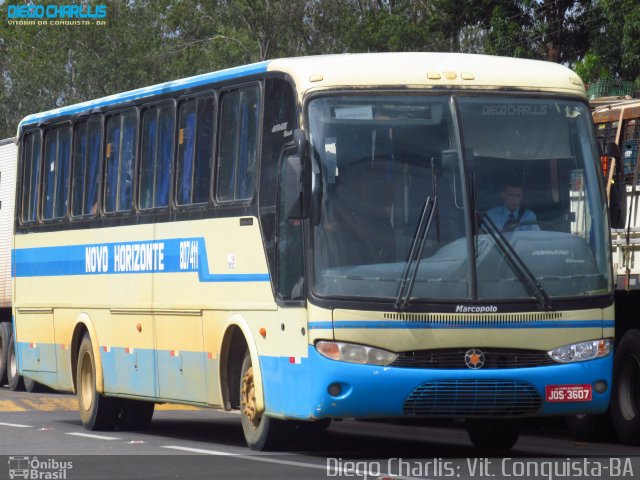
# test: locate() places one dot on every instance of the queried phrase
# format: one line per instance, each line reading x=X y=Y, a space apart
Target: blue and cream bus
x=316 y=238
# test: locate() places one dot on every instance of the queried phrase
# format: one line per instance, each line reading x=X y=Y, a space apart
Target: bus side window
x=30 y=176
x=57 y=155
x=156 y=156
x=86 y=167
x=237 y=152
x=195 y=150
x=279 y=122
x=119 y=161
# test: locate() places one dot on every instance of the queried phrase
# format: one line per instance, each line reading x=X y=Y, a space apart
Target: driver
x=510 y=216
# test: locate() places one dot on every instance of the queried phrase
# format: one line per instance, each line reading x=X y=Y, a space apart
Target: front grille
x=452 y=358
x=487 y=320
x=473 y=398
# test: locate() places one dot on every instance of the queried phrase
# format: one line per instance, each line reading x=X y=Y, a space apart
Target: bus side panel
x=36 y=347
x=181 y=357
x=79 y=268
x=210 y=277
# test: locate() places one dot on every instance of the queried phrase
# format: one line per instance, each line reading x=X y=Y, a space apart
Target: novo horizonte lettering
x=130 y=257
x=56 y=11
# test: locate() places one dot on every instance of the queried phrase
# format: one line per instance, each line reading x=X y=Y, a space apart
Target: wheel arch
x=236 y=334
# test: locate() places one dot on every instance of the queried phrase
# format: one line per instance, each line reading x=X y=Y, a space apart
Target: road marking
x=263 y=458
x=17 y=425
x=10 y=406
x=255 y=458
x=89 y=435
x=46 y=404
x=200 y=450
x=52 y=404
x=173 y=406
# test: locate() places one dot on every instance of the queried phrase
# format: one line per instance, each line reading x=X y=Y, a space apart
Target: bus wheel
x=493 y=434
x=31 y=385
x=260 y=431
x=97 y=412
x=5 y=336
x=311 y=425
x=13 y=378
x=135 y=414
x=625 y=396
x=590 y=428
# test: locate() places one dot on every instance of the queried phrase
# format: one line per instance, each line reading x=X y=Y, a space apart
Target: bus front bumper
x=316 y=387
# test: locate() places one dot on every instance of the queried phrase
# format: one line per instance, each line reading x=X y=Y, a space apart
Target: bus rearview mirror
x=292 y=191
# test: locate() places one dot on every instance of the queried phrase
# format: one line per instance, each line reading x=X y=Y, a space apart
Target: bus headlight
x=353 y=353
x=579 y=352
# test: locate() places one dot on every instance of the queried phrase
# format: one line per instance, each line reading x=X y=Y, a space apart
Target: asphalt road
x=41 y=437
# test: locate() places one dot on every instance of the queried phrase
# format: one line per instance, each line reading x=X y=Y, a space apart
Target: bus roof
x=429 y=70
x=417 y=70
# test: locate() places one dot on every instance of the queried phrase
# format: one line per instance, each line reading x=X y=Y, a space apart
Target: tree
x=614 y=47
x=49 y=66
x=146 y=41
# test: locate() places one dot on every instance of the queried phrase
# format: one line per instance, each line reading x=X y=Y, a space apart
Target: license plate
x=569 y=393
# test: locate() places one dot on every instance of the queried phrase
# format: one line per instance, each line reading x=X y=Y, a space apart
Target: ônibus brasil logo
x=56 y=14
x=35 y=469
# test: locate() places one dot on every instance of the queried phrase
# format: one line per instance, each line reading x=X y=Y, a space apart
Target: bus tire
x=31 y=385
x=135 y=414
x=5 y=336
x=97 y=412
x=311 y=425
x=493 y=434
x=625 y=395
x=590 y=428
x=13 y=378
x=260 y=431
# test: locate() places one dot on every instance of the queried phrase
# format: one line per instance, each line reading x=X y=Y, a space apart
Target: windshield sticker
x=354 y=113
x=514 y=110
x=551 y=252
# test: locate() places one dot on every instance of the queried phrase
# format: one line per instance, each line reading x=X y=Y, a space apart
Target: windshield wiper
x=415 y=254
x=515 y=261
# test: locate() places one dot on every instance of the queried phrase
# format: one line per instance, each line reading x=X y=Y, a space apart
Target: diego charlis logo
x=474 y=359
x=56 y=14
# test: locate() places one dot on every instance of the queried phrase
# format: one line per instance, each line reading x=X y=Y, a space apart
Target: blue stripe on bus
x=160 y=89
x=459 y=324
x=172 y=255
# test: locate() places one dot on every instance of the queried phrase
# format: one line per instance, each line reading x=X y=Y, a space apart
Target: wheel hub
x=248 y=405
x=86 y=387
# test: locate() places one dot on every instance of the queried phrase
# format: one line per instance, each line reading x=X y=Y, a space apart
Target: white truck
x=8 y=163
x=617 y=125
x=8 y=368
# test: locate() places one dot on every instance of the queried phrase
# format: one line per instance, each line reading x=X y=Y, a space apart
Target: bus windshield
x=511 y=181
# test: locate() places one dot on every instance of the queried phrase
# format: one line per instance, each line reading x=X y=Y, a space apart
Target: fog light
x=335 y=389
x=600 y=386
